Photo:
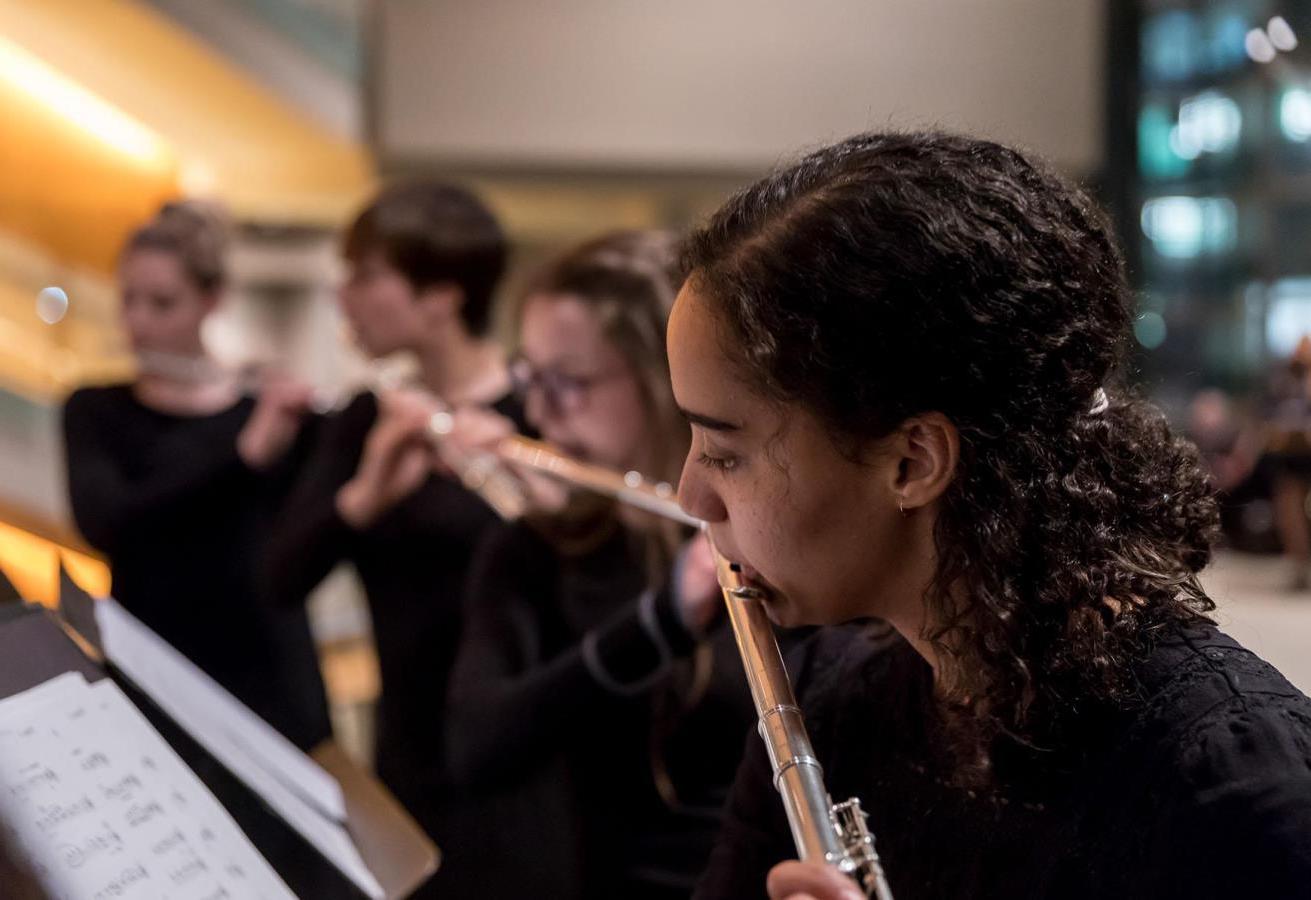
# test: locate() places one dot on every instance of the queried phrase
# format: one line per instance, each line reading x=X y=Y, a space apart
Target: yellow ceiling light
x=232 y=138
x=100 y=119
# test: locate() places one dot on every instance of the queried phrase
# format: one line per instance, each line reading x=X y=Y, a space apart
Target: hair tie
x=1100 y=402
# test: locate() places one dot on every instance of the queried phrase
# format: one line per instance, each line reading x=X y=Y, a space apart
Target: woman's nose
x=696 y=495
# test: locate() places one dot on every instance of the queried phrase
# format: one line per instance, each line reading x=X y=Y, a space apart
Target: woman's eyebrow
x=708 y=421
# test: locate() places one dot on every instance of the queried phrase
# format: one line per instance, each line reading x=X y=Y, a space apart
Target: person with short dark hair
x=899 y=359
x=451 y=253
x=424 y=261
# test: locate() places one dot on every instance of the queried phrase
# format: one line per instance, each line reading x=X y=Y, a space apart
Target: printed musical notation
x=99 y=807
x=301 y=792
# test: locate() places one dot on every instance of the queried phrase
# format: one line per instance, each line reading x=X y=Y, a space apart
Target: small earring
x=901 y=507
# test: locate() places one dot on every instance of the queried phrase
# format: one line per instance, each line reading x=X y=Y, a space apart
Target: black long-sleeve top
x=413 y=563
x=579 y=691
x=183 y=522
x=1199 y=788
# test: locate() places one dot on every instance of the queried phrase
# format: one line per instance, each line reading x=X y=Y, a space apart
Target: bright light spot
x=1186 y=227
x=1150 y=330
x=1181 y=146
x=79 y=106
x=1281 y=34
x=441 y=423
x=1289 y=315
x=1259 y=46
x=51 y=304
x=1295 y=114
x=197 y=179
x=1208 y=123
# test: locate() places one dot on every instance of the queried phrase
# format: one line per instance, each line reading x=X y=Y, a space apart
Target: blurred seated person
x=1226 y=448
x=1230 y=444
x=1288 y=444
x=176 y=475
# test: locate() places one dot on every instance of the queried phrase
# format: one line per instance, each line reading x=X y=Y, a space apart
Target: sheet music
x=298 y=789
x=201 y=705
x=101 y=807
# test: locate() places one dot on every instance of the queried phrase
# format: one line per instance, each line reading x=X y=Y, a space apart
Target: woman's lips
x=753 y=578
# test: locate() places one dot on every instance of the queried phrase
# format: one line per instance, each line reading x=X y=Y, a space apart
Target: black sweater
x=1200 y=788
x=563 y=699
x=413 y=563
x=183 y=522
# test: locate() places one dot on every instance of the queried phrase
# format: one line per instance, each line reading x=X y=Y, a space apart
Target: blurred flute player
x=424 y=263
x=895 y=357
x=595 y=682
x=176 y=478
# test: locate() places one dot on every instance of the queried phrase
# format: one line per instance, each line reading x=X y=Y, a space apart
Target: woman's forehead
x=709 y=386
x=557 y=329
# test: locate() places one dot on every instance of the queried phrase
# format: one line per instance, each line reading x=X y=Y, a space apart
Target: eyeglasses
x=562 y=391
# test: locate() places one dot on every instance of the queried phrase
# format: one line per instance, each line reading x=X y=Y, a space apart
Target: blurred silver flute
x=835 y=834
x=246 y=380
x=481 y=473
x=630 y=488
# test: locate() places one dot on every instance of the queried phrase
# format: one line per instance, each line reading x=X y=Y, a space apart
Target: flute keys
x=441 y=423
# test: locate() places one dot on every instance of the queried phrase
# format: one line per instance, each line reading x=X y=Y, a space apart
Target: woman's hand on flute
x=475 y=432
x=397 y=459
x=275 y=422
x=470 y=432
x=700 y=600
x=795 y=880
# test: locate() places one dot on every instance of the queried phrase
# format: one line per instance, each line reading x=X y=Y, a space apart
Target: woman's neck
x=462 y=369
x=186 y=398
x=905 y=603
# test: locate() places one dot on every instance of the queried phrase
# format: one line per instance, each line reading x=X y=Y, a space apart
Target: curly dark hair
x=899 y=273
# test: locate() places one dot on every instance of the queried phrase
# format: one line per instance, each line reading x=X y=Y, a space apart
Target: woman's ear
x=928 y=447
x=439 y=303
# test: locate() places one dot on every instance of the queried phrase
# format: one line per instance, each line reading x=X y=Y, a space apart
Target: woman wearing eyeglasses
x=595 y=692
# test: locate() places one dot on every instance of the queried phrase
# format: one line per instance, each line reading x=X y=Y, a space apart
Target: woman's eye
x=716 y=462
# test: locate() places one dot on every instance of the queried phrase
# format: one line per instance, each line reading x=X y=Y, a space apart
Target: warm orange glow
x=231 y=136
x=91 y=574
x=32 y=564
x=103 y=121
x=72 y=187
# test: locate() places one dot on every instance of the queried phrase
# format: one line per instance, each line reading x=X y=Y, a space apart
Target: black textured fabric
x=1200 y=787
x=413 y=562
x=528 y=716
x=184 y=523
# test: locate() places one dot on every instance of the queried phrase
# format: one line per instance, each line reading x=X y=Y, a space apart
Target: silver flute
x=836 y=834
x=823 y=831
x=482 y=473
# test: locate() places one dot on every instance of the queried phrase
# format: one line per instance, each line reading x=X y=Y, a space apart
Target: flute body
x=835 y=834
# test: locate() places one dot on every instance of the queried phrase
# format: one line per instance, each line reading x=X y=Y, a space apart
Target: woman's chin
x=788 y=610
x=783 y=611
